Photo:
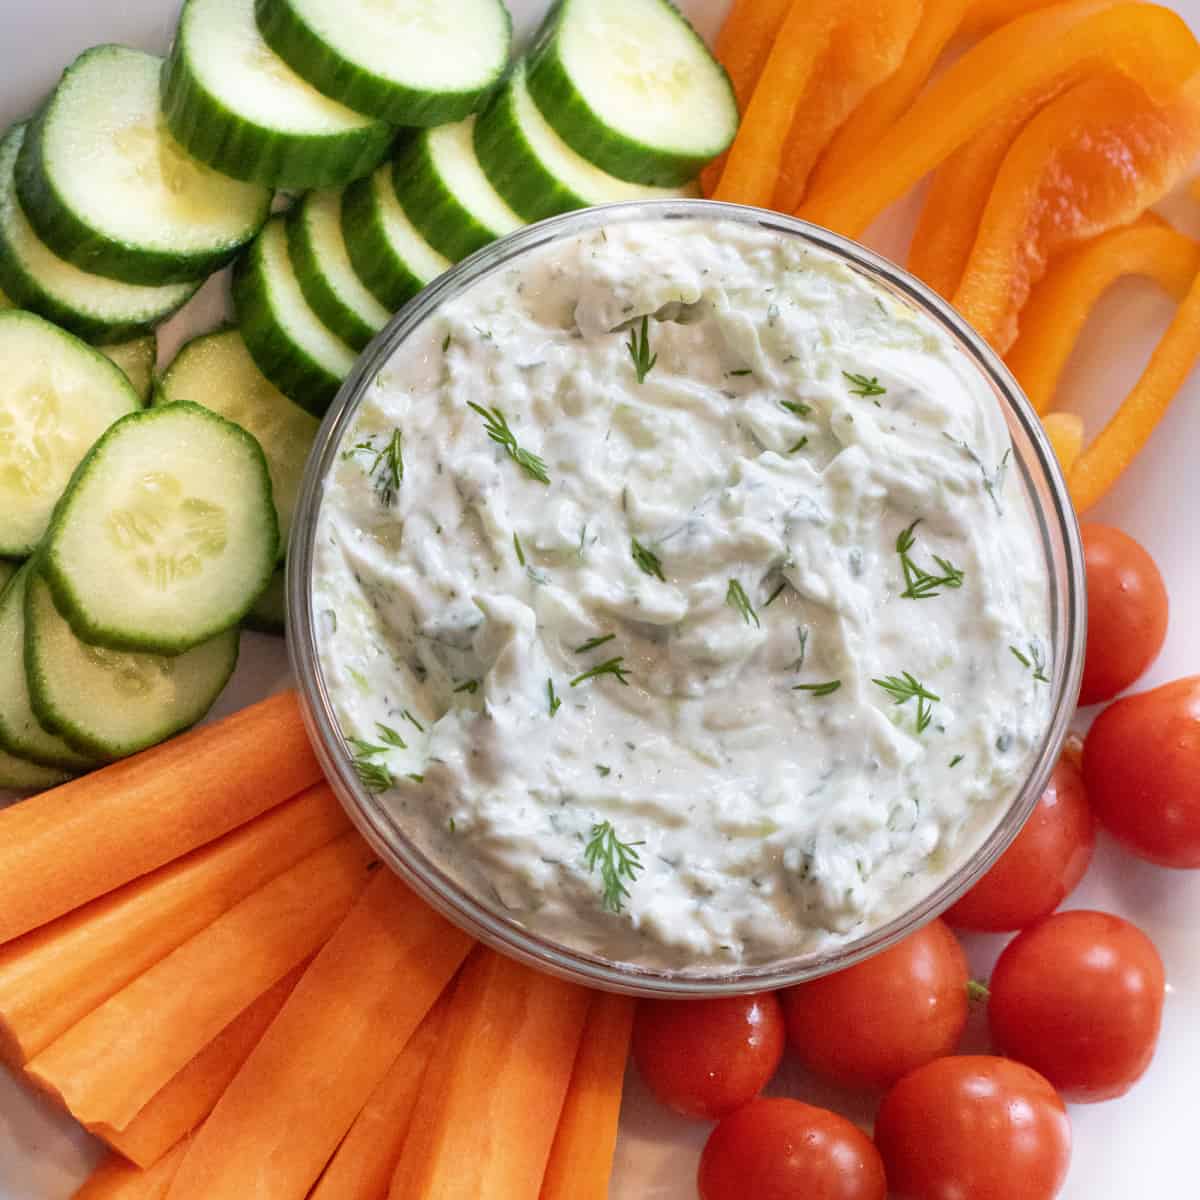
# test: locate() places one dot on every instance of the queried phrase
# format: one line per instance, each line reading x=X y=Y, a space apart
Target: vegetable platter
x=1135 y=1145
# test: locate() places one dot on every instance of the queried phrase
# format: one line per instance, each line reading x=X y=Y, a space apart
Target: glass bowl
x=1039 y=476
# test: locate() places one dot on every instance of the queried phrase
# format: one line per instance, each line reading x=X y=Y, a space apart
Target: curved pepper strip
x=854 y=143
x=1107 y=458
x=985 y=15
x=1060 y=305
x=1145 y=41
x=1065 y=431
x=1095 y=158
x=827 y=57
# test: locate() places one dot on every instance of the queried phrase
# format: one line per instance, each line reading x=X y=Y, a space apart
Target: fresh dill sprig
x=617 y=860
x=819 y=689
x=517 y=548
x=647 y=560
x=387 y=465
x=500 y=433
x=471 y=686
x=639 y=351
x=592 y=643
x=389 y=737
x=993 y=481
x=862 y=385
x=375 y=777
x=919 y=583
x=775 y=594
x=736 y=598
x=611 y=666
x=903 y=688
x=793 y=406
x=409 y=717
x=554 y=702
x=1035 y=661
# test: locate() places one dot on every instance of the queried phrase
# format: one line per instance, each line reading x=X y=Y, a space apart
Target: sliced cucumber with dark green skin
x=236 y=105
x=106 y=186
x=19 y=775
x=535 y=171
x=269 y=614
x=216 y=370
x=108 y=703
x=287 y=340
x=166 y=535
x=442 y=187
x=325 y=274
x=410 y=62
x=57 y=397
x=35 y=278
x=386 y=249
x=631 y=86
x=21 y=734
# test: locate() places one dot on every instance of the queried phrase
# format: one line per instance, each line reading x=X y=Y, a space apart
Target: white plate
x=1137 y=1146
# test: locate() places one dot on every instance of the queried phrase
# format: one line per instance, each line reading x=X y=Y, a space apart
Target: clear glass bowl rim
x=1057 y=521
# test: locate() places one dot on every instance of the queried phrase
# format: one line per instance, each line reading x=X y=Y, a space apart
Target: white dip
x=796 y=420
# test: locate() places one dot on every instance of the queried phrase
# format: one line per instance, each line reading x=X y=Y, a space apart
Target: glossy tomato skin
x=974 y=1128
x=873 y=1022
x=1042 y=867
x=1127 y=612
x=704 y=1058
x=1141 y=766
x=781 y=1149
x=1079 y=998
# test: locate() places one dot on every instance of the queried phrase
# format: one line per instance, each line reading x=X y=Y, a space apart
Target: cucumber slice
x=20 y=775
x=90 y=306
x=107 y=187
x=7 y=571
x=166 y=535
x=137 y=359
x=630 y=85
x=20 y=732
x=442 y=187
x=326 y=277
x=236 y=105
x=535 y=171
x=58 y=396
x=110 y=704
x=285 y=337
x=269 y=614
x=386 y=249
x=216 y=370
x=410 y=62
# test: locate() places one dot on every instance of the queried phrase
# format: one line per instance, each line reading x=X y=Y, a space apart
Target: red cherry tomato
x=1141 y=764
x=1079 y=997
x=704 y=1058
x=1127 y=612
x=973 y=1128
x=873 y=1022
x=1042 y=866
x=784 y=1150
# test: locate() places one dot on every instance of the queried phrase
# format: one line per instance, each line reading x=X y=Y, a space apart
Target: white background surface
x=1139 y=1146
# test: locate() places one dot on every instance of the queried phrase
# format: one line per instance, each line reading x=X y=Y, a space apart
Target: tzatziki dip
x=674 y=589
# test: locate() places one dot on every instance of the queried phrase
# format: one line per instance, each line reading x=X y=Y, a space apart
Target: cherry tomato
x=1042 y=866
x=1079 y=997
x=1141 y=763
x=871 y=1023
x=783 y=1149
x=1127 y=612
x=704 y=1058
x=974 y=1128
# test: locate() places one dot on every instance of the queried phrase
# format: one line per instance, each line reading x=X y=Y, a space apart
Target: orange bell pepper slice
x=1060 y=305
x=1065 y=431
x=985 y=15
x=1095 y=158
x=1145 y=41
x=828 y=55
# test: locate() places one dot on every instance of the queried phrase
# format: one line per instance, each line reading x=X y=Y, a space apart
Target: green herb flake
x=819 y=689
x=592 y=643
x=799 y=410
x=903 y=688
x=956 y=760
x=471 y=686
x=739 y=374
x=517 y=548
x=603 y=771
x=798 y=445
x=919 y=583
x=375 y=777
x=554 y=702
x=415 y=777
x=647 y=560
x=446 y=343
x=618 y=861
x=1035 y=661
x=498 y=430
x=775 y=595
x=386 y=468
x=611 y=666
x=736 y=598
x=861 y=385
x=413 y=721
x=639 y=351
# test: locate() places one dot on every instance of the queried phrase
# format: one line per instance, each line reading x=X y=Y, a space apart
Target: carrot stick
x=54 y=976
x=581 y=1159
x=363 y=1165
x=79 y=841
x=495 y=1091
x=297 y=1095
x=110 y=1065
x=115 y=1179
x=180 y=1106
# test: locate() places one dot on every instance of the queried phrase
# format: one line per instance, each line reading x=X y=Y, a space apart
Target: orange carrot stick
x=496 y=1088
x=109 y=1066
x=54 y=976
x=82 y=840
x=363 y=1165
x=180 y=1106
x=282 y=1117
x=115 y=1179
x=581 y=1159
